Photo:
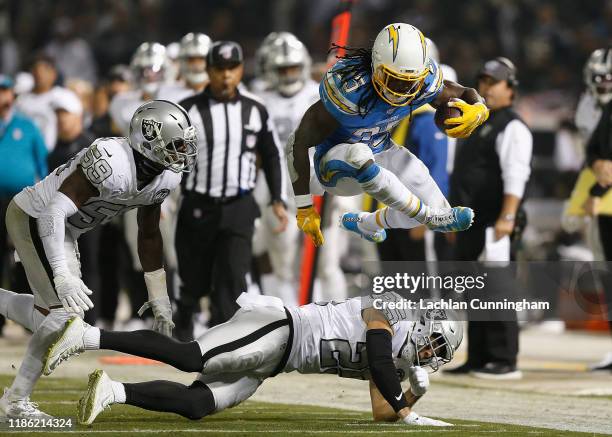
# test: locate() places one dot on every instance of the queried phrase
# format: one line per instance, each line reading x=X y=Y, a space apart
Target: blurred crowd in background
x=86 y=40
x=549 y=41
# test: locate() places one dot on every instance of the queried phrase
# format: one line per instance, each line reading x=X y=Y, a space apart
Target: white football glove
x=73 y=293
x=162 y=311
x=419 y=380
x=414 y=419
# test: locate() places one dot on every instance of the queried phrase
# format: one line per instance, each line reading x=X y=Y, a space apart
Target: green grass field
x=59 y=397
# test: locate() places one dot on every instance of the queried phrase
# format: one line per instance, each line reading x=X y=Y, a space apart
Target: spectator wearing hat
x=216 y=219
x=491 y=170
x=39 y=103
x=71 y=139
x=23 y=162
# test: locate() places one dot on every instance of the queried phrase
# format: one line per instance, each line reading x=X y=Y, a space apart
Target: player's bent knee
x=200 y=401
x=359 y=155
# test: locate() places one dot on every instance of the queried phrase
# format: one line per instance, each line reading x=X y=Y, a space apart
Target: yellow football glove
x=309 y=221
x=472 y=116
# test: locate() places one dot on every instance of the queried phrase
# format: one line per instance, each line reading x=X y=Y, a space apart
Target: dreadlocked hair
x=361 y=66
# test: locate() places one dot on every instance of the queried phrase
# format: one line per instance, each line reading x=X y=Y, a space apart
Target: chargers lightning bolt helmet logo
x=394 y=37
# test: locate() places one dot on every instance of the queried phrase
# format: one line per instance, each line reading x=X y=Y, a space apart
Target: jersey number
x=94 y=213
x=96 y=169
x=374 y=137
x=337 y=358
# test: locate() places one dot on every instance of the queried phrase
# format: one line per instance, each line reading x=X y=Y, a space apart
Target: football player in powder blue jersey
x=363 y=97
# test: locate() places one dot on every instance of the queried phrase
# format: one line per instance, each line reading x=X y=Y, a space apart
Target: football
x=443 y=113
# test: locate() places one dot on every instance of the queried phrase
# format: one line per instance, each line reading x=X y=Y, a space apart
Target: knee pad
x=357 y=155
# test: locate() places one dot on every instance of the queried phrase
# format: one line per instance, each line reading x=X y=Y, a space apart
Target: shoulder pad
x=104 y=165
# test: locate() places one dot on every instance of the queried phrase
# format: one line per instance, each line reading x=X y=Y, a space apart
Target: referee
x=216 y=219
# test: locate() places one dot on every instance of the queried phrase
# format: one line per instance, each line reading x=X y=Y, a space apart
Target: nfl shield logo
x=150 y=129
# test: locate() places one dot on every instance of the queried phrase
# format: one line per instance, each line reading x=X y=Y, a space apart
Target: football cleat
x=98 y=397
x=20 y=409
x=454 y=219
x=350 y=221
x=69 y=343
x=603 y=365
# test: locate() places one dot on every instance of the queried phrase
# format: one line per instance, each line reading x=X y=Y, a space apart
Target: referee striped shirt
x=231 y=135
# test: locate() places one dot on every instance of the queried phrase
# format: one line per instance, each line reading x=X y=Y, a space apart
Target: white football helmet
x=432 y=50
x=400 y=63
x=149 y=64
x=284 y=52
x=598 y=75
x=194 y=45
x=438 y=331
x=261 y=57
x=162 y=132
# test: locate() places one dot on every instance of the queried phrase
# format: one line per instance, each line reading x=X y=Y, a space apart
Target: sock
x=148 y=344
x=389 y=190
x=91 y=338
x=27 y=376
x=20 y=309
x=118 y=392
x=193 y=402
x=31 y=366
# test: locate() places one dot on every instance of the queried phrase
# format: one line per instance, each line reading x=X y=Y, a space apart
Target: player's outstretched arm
x=474 y=112
x=382 y=411
x=151 y=253
x=316 y=125
x=51 y=224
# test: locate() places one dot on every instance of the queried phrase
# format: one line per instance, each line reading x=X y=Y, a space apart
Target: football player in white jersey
x=149 y=69
x=44 y=221
x=351 y=339
x=192 y=54
x=288 y=94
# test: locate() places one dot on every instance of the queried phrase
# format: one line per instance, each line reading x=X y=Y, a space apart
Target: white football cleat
x=69 y=343
x=417 y=420
x=98 y=397
x=20 y=409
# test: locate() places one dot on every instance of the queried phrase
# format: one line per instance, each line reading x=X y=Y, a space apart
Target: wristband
x=303 y=200
x=156 y=284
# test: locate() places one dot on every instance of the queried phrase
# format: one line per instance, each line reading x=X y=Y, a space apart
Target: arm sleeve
x=514 y=147
x=271 y=154
x=432 y=146
x=382 y=369
x=51 y=226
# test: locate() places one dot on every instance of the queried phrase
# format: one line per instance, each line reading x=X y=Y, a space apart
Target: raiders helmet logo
x=150 y=129
x=161 y=195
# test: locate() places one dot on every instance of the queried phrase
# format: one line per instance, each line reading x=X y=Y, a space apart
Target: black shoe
x=464 y=369
x=497 y=371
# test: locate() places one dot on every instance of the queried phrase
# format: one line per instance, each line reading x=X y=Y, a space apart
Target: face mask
x=196 y=78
